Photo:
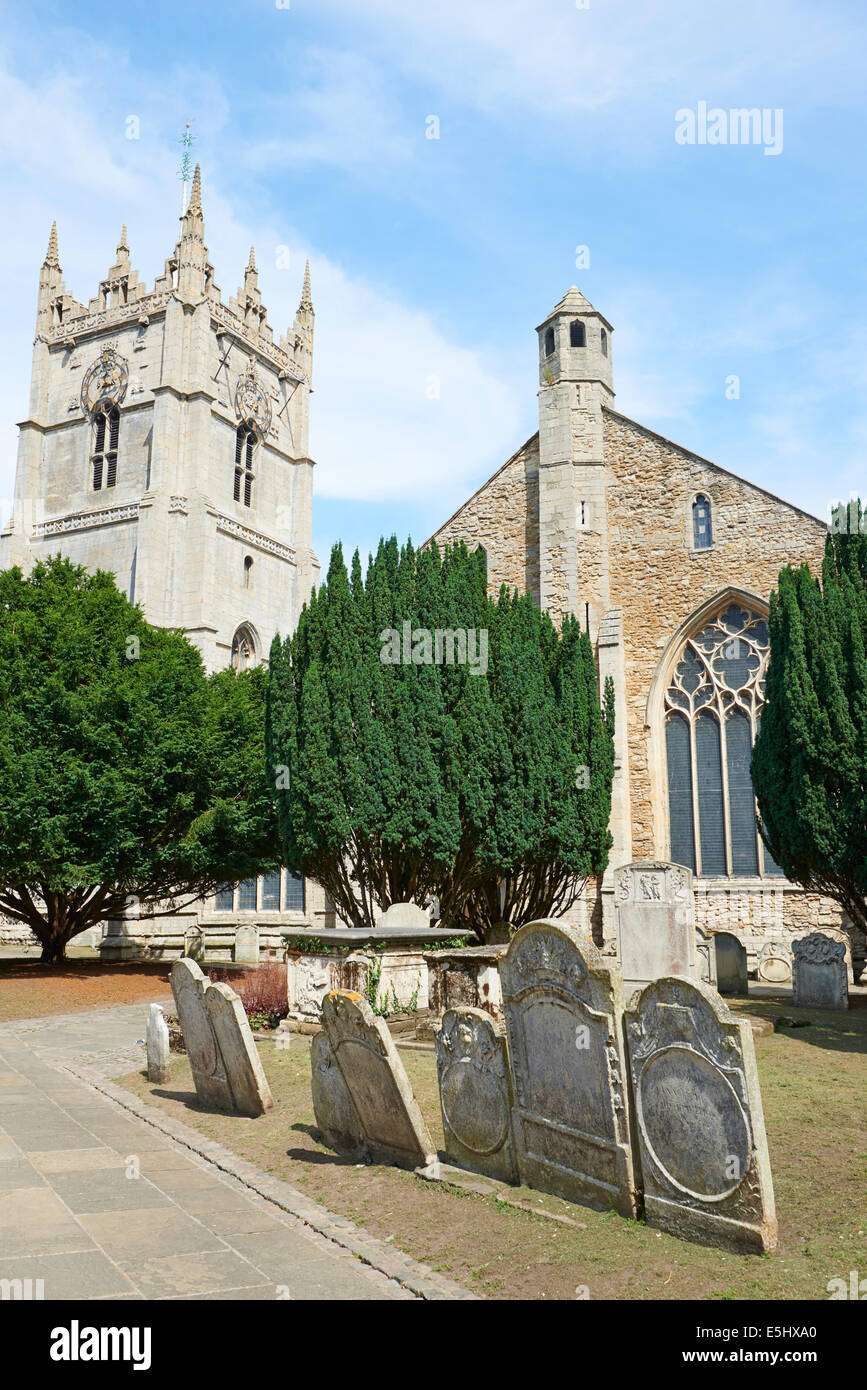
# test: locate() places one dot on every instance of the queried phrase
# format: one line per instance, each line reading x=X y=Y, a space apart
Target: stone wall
x=503 y=516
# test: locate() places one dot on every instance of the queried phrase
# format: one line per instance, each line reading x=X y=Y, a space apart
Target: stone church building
x=668 y=560
x=166 y=440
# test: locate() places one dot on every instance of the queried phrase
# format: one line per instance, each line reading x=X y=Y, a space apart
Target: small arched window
x=577 y=335
x=104 y=460
x=245 y=443
x=549 y=341
x=604 y=340
x=702 y=537
x=248 y=570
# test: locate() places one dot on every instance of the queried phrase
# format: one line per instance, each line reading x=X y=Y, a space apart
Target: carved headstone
x=336 y=1116
x=656 y=935
x=563 y=1012
x=705 y=957
x=223 y=1059
x=819 y=976
x=774 y=963
x=475 y=1093
x=251 y=1093
x=157 y=1039
x=392 y=1124
x=247 y=945
x=699 y=1122
x=731 y=964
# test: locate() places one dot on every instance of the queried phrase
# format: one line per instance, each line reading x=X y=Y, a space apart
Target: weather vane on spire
x=185 y=173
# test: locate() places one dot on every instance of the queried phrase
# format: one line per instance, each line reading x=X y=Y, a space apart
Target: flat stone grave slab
x=393 y=1127
x=700 y=1128
x=475 y=1093
x=563 y=1010
x=819 y=976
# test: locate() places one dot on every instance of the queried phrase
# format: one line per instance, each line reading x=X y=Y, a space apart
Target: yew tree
x=127 y=775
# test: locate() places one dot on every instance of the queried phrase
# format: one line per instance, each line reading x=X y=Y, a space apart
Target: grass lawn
x=29 y=989
x=813 y=1085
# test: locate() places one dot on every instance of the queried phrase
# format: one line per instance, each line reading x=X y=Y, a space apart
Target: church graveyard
x=226 y=1068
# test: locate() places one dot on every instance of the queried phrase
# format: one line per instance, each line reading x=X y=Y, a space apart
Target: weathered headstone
x=731 y=964
x=194 y=944
x=774 y=963
x=563 y=1010
x=157 y=1041
x=405 y=915
x=222 y=1054
x=336 y=1116
x=700 y=1128
x=475 y=1093
x=392 y=1124
x=705 y=957
x=819 y=976
x=247 y=945
x=251 y=1093
x=656 y=935
x=206 y=1062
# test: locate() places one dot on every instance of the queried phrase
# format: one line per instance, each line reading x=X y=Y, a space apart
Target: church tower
x=575 y=386
x=166 y=441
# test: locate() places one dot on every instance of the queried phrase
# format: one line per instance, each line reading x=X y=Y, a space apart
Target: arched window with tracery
x=243 y=649
x=106 y=424
x=712 y=706
x=245 y=443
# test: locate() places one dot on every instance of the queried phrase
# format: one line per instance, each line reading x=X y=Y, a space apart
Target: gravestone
x=247 y=945
x=405 y=915
x=336 y=1116
x=774 y=963
x=731 y=964
x=205 y=1058
x=222 y=1054
x=706 y=957
x=656 y=935
x=700 y=1129
x=563 y=1010
x=251 y=1093
x=157 y=1041
x=819 y=976
x=391 y=1122
x=475 y=1093
x=194 y=944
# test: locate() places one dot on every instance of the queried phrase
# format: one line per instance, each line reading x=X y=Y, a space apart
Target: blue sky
x=437 y=258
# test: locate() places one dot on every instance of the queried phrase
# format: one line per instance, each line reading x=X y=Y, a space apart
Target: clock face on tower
x=105 y=381
x=251 y=403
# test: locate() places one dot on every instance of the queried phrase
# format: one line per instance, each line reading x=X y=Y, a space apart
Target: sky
x=450 y=169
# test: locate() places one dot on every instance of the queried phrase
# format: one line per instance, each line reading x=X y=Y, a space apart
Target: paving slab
x=198 y=1222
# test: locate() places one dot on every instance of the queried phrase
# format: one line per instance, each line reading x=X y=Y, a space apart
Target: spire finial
x=51 y=255
x=196 y=191
x=306 y=300
x=122 y=244
x=251 y=264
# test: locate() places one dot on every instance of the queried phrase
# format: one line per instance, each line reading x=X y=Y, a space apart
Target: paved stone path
x=104 y=1197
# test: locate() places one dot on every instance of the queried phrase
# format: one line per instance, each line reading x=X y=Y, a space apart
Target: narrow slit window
x=245 y=443
x=702 y=537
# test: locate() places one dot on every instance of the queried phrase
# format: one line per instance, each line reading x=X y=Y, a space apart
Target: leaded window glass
x=294 y=893
x=713 y=702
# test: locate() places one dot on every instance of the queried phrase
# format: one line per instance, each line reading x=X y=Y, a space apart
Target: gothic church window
x=549 y=341
x=104 y=460
x=702 y=537
x=604 y=341
x=243 y=649
x=713 y=704
x=577 y=336
x=245 y=443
